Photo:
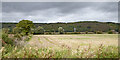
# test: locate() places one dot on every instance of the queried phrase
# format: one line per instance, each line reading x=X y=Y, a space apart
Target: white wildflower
x=30 y=48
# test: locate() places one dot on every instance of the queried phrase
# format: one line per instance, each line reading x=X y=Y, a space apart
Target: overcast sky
x=51 y=12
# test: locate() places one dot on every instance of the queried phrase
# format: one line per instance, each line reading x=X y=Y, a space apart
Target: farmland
x=67 y=46
x=73 y=41
x=26 y=41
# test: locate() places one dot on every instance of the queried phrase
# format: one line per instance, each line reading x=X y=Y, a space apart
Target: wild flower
x=80 y=51
x=30 y=48
x=2 y=49
x=15 y=48
x=100 y=52
x=36 y=49
x=92 y=52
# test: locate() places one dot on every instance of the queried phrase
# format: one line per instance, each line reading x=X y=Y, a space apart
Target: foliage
x=68 y=27
x=6 y=39
x=99 y=32
x=61 y=30
x=34 y=52
x=39 y=30
x=17 y=30
x=7 y=49
x=5 y=30
x=110 y=32
x=28 y=38
x=23 y=30
x=86 y=32
x=25 y=26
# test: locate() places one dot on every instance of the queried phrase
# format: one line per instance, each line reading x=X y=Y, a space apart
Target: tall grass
x=86 y=52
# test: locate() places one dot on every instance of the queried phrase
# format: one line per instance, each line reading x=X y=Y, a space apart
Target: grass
x=80 y=46
x=40 y=40
x=48 y=40
x=33 y=52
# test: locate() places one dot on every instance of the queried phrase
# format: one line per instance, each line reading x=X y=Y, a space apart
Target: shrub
x=6 y=39
x=7 y=49
x=5 y=30
x=39 y=30
x=99 y=32
x=86 y=32
x=61 y=30
x=76 y=32
x=17 y=30
x=110 y=32
x=95 y=32
x=49 y=33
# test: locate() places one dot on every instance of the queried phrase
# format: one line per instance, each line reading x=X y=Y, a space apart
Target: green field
x=68 y=46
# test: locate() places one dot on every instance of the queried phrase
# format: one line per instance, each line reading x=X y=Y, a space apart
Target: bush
x=39 y=30
x=6 y=39
x=110 y=32
x=61 y=30
x=8 y=49
x=95 y=32
x=99 y=32
x=28 y=38
x=17 y=30
x=5 y=30
x=86 y=32
x=49 y=33
x=76 y=32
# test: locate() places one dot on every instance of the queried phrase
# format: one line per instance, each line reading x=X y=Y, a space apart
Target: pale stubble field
x=74 y=41
x=78 y=45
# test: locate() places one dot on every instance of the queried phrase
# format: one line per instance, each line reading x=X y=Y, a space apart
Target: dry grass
x=73 y=41
x=67 y=46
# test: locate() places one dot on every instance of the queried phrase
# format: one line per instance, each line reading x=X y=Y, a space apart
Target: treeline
x=85 y=26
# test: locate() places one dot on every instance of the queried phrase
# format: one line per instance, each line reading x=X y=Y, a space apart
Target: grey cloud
x=64 y=6
x=60 y=11
x=60 y=0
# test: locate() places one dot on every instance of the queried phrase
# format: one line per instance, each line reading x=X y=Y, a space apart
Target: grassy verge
x=34 y=52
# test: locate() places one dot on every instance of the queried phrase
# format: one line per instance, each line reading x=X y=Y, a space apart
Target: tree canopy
x=39 y=30
x=61 y=30
x=25 y=26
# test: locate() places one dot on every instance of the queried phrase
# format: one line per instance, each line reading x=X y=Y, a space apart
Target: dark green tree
x=39 y=30
x=17 y=30
x=25 y=26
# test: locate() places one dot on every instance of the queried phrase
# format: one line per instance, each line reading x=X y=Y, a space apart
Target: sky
x=52 y=12
x=60 y=0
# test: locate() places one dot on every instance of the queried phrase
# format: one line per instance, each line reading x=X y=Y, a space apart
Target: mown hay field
x=68 y=46
x=74 y=41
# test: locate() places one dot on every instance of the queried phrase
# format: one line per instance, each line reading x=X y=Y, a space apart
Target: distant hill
x=69 y=27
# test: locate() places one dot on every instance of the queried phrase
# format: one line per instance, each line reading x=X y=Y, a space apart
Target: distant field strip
x=73 y=41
